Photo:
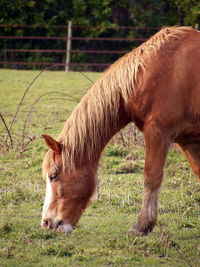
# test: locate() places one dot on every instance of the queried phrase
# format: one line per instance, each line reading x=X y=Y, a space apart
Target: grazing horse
x=157 y=86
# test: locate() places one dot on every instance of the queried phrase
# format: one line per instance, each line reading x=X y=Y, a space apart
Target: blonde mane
x=96 y=114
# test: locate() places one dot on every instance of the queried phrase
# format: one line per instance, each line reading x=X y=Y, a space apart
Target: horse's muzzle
x=58 y=226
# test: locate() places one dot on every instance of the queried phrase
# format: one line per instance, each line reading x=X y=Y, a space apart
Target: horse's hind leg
x=192 y=154
x=156 y=152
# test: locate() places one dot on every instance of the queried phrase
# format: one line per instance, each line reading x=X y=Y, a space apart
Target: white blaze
x=66 y=227
x=47 y=197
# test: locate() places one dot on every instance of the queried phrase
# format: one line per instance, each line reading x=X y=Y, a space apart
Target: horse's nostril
x=46 y=224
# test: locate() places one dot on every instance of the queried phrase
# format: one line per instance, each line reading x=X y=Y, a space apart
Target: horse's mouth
x=59 y=223
x=64 y=227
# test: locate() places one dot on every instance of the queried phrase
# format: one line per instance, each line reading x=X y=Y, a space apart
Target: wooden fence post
x=5 y=55
x=69 y=44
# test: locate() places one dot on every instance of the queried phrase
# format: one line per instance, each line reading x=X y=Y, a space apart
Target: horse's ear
x=53 y=144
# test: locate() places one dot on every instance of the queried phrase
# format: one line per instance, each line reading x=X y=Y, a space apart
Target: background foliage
x=101 y=12
x=100 y=18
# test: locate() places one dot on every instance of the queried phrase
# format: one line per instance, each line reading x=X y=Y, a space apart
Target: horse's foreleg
x=156 y=151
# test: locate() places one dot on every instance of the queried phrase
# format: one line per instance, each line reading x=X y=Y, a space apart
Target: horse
x=156 y=86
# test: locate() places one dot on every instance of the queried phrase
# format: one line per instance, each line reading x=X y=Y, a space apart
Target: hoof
x=140 y=231
x=134 y=231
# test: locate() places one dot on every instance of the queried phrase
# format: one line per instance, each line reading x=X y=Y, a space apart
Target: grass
x=100 y=239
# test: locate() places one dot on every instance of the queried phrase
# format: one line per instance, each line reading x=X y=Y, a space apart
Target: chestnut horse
x=157 y=86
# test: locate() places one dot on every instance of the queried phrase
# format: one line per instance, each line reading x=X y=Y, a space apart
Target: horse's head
x=67 y=193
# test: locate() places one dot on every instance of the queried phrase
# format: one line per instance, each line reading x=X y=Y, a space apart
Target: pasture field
x=100 y=238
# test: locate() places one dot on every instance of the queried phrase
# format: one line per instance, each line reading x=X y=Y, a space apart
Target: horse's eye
x=53 y=177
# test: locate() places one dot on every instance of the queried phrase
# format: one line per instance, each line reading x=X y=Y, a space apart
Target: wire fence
x=69 y=50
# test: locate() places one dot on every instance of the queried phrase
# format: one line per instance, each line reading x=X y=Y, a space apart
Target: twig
x=123 y=141
x=9 y=252
x=166 y=246
x=30 y=111
x=35 y=102
x=20 y=103
x=9 y=135
x=197 y=258
x=183 y=257
x=92 y=82
x=129 y=137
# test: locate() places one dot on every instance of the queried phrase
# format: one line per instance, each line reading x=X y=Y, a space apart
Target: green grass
x=100 y=238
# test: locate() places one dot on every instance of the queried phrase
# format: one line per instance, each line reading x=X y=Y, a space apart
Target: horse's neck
x=121 y=121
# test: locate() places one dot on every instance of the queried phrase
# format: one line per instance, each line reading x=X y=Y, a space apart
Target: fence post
x=196 y=26
x=69 y=44
x=5 y=55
